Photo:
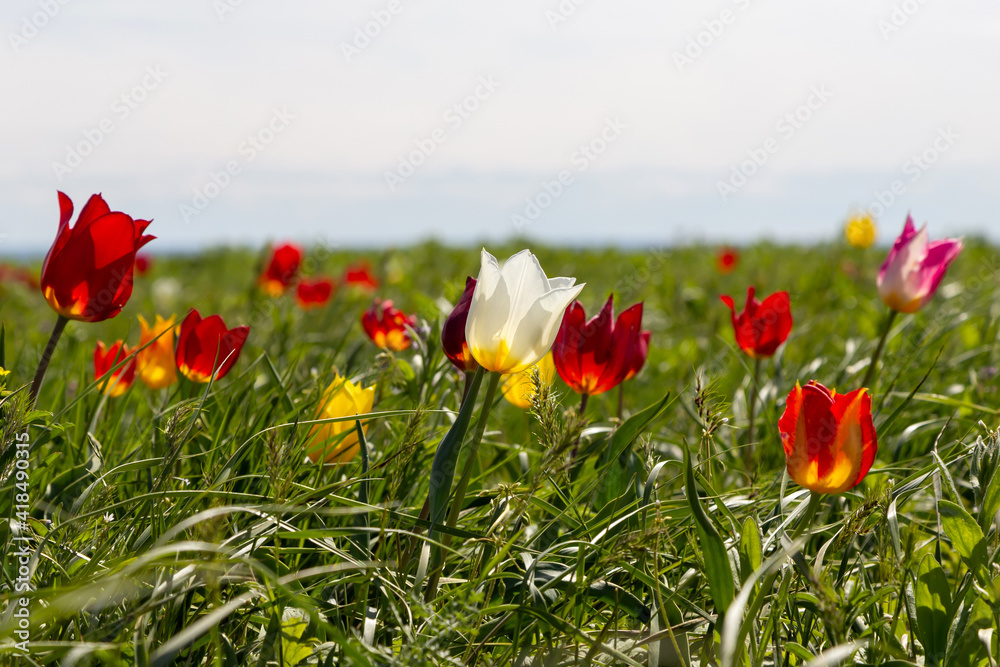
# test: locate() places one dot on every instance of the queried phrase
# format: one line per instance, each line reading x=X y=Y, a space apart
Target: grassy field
x=185 y=526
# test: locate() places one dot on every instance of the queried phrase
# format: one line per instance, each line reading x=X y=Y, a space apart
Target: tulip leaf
x=991 y=503
x=717 y=570
x=446 y=456
x=933 y=602
x=751 y=553
x=633 y=427
x=965 y=534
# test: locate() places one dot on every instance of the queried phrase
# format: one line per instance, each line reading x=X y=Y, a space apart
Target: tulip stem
x=470 y=461
x=43 y=363
x=621 y=400
x=870 y=375
x=583 y=403
x=748 y=446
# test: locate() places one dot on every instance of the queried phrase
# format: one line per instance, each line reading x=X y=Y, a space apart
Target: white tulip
x=515 y=313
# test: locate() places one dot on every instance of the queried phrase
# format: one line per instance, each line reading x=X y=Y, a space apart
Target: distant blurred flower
x=341 y=399
x=515 y=312
x=282 y=269
x=206 y=344
x=761 y=327
x=18 y=274
x=87 y=274
x=456 y=348
x=727 y=260
x=105 y=359
x=156 y=363
x=142 y=264
x=386 y=326
x=829 y=440
x=314 y=293
x=360 y=275
x=860 y=230
x=518 y=388
x=914 y=268
x=596 y=355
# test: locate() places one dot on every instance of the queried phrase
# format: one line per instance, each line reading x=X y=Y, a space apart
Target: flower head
x=518 y=388
x=727 y=260
x=637 y=359
x=828 y=438
x=142 y=264
x=761 y=327
x=910 y=276
x=314 y=293
x=515 y=312
x=282 y=269
x=593 y=356
x=204 y=345
x=106 y=358
x=337 y=442
x=155 y=362
x=456 y=348
x=360 y=275
x=87 y=274
x=860 y=230
x=386 y=325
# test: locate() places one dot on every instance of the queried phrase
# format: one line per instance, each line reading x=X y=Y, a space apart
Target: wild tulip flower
x=456 y=348
x=515 y=312
x=519 y=388
x=106 y=358
x=828 y=438
x=204 y=345
x=386 y=326
x=282 y=269
x=727 y=260
x=87 y=274
x=761 y=327
x=914 y=268
x=637 y=358
x=593 y=356
x=342 y=398
x=156 y=362
x=860 y=231
x=314 y=293
x=360 y=275
x=142 y=264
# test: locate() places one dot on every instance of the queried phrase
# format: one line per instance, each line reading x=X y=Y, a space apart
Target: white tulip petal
x=532 y=336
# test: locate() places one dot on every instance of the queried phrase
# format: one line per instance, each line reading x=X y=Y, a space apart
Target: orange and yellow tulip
x=337 y=442
x=155 y=362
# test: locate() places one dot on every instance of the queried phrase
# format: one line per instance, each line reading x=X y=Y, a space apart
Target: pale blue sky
x=164 y=94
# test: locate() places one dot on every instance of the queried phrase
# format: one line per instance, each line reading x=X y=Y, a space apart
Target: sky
x=386 y=122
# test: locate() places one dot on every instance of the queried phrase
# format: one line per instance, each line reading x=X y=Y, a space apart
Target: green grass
x=186 y=527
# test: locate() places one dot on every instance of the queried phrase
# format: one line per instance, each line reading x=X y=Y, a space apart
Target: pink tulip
x=914 y=268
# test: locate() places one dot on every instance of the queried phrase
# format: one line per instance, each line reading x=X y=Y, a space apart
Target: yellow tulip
x=860 y=230
x=337 y=442
x=155 y=363
x=518 y=388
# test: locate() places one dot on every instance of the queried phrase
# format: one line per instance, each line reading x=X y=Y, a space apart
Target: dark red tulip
x=87 y=274
x=142 y=264
x=726 y=260
x=761 y=327
x=638 y=357
x=387 y=326
x=453 y=332
x=282 y=269
x=314 y=293
x=106 y=358
x=596 y=355
x=360 y=275
x=206 y=344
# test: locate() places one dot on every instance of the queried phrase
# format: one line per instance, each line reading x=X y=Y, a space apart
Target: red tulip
x=206 y=344
x=456 y=348
x=105 y=359
x=761 y=327
x=638 y=357
x=360 y=275
x=829 y=440
x=387 y=326
x=596 y=355
x=87 y=274
x=282 y=269
x=142 y=264
x=726 y=260
x=314 y=293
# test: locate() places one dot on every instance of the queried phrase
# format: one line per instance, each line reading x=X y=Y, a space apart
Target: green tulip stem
x=751 y=415
x=43 y=363
x=470 y=461
x=870 y=375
